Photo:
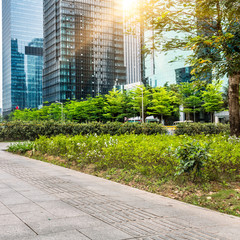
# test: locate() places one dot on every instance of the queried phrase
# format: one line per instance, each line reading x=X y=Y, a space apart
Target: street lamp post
x=61 y=110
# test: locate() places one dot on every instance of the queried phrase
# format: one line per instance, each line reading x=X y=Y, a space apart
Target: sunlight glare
x=127 y=4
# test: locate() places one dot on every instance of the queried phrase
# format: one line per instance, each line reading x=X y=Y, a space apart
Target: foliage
x=114 y=106
x=161 y=102
x=191 y=98
x=201 y=128
x=17 y=130
x=210 y=31
x=164 y=103
x=192 y=155
x=21 y=147
x=148 y=155
x=212 y=97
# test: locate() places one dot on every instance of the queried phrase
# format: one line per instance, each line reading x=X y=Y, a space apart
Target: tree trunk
x=233 y=100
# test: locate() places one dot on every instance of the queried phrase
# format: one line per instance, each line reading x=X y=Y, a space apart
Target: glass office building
x=132 y=43
x=160 y=67
x=22 y=39
x=83 y=48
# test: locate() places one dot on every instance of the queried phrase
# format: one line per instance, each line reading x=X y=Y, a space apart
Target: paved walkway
x=42 y=201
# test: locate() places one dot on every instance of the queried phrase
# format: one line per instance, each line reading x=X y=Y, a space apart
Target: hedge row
x=201 y=128
x=17 y=130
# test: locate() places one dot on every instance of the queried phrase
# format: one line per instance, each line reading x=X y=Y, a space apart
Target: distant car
x=148 y=119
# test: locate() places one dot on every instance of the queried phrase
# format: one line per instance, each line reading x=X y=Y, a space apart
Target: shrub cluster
x=17 y=130
x=150 y=155
x=201 y=128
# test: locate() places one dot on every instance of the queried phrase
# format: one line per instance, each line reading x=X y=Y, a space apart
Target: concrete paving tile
x=24 y=188
x=27 y=207
x=61 y=209
x=38 y=215
x=13 y=198
x=168 y=211
x=103 y=233
x=33 y=193
x=71 y=235
x=9 y=219
x=12 y=232
x=6 y=190
x=4 y=210
x=227 y=231
x=43 y=198
x=2 y=185
x=61 y=235
x=64 y=224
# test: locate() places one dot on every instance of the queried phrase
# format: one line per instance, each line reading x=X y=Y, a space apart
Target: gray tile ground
x=40 y=201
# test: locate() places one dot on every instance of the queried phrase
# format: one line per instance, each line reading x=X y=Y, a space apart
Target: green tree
x=114 y=106
x=191 y=99
x=210 y=29
x=163 y=103
x=213 y=100
x=90 y=109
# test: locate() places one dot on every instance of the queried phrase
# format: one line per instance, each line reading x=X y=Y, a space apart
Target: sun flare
x=127 y=4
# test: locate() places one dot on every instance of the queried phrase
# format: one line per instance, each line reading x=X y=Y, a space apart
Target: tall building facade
x=160 y=67
x=83 y=48
x=22 y=39
x=132 y=43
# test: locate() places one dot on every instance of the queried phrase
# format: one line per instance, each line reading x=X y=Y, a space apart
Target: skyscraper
x=83 y=48
x=132 y=43
x=160 y=67
x=22 y=54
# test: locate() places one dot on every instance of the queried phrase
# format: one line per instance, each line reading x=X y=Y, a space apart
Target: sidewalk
x=41 y=201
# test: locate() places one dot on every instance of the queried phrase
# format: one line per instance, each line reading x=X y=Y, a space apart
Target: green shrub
x=22 y=131
x=152 y=155
x=149 y=154
x=21 y=147
x=192 y=155
x=201 y=128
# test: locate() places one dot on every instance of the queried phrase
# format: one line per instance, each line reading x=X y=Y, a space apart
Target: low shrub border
x=150 y=155
x=201 y=128
x=22 y=131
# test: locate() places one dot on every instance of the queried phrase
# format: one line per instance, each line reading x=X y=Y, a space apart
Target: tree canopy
x=210 y=29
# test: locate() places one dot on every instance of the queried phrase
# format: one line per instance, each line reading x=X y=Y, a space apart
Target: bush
x=149 y=155
x=201 y=128
x=192 y=155
x=21 y=147
x=22 y=131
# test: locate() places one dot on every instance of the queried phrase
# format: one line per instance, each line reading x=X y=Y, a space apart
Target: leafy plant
x=21 y=147
x=151 y=155
x=192 y=156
